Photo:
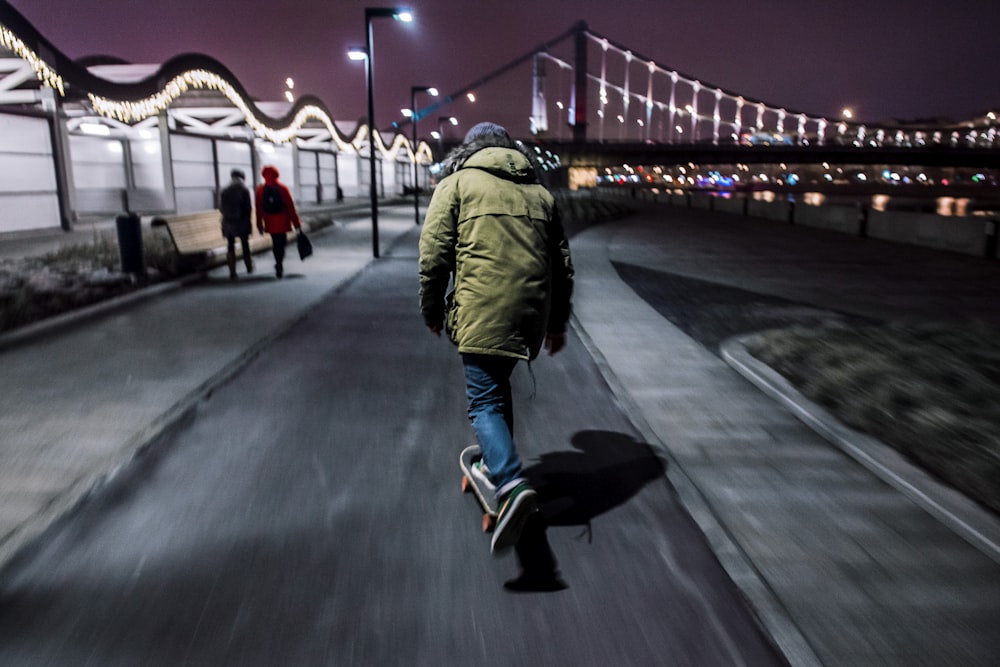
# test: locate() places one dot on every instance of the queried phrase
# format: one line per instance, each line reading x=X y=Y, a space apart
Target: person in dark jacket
x=236 y=209
x=493 y=232
x=276 y=214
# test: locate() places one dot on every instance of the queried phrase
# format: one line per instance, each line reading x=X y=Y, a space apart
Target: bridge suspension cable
x=635 y=98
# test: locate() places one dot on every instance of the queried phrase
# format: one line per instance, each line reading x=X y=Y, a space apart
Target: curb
x=772 y=616
x=145 y=441
x=956 y=511
x=32 y=332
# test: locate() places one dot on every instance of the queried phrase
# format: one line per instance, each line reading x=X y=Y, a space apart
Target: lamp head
x=404 y=14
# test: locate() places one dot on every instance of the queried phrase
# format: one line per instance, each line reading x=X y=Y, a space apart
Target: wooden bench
x=199 y=242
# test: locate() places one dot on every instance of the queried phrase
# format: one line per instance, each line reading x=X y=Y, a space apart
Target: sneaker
x=482 y=475
x=515 y=509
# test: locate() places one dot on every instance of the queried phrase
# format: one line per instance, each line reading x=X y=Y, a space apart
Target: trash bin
x=130 y=244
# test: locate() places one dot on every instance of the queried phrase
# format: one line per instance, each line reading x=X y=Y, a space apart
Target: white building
x=82 y=139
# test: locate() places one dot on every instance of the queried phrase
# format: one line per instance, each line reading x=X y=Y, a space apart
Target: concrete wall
x=701 y=200
x=735 y=205
x=234 y=155
x=779 y=211
x=28 y=195
x=972 y=235
x=397 y=175
x=98 y=173
x=965 y=235
x=846 y=219
x=194 y=173
x=353 y=174
x=328 y=177
x=153 y=170
x=317 y=177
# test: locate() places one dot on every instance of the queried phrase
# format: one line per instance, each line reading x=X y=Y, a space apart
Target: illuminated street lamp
x=400 y=14
x=414 y=117
x=441 y=121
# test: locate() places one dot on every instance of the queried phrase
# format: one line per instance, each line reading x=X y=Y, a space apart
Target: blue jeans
x=491 y=411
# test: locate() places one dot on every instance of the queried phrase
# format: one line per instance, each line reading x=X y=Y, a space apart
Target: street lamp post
x=400 y=14
x=430 y=90
x=441 y=121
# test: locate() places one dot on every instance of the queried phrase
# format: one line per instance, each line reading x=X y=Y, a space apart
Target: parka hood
x=270 y=174
x=507 y=162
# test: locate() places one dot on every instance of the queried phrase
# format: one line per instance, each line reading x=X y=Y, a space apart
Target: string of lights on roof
x=134 y=111
x=48 y=76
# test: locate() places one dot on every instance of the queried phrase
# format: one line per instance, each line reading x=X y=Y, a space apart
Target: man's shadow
x=573 y=488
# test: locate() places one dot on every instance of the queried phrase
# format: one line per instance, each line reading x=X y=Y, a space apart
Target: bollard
x=991 y=240
x=130 y=244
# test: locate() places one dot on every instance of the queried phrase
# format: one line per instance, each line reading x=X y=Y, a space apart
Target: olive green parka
x=493 y=234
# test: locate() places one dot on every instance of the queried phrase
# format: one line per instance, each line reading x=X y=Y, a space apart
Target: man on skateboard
x=495 y=231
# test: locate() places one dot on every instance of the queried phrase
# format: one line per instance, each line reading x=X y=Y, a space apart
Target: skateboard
x=484 y=492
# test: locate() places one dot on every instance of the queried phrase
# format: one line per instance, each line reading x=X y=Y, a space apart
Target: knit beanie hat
x=485 y=130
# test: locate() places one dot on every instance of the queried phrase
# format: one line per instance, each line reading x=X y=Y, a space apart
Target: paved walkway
x=840 y=566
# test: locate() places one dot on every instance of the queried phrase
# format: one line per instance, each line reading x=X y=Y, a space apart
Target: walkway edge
x=17 y=543
x=961 y=514
x=771 y=614
x=30 y=333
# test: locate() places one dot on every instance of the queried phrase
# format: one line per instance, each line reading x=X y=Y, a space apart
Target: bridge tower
x=578 y=101
x=539 y=113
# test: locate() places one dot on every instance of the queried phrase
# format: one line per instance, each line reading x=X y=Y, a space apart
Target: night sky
x=882 y=58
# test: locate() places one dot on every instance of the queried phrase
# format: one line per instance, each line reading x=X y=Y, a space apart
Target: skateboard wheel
x=466 y=484
x=489 y=523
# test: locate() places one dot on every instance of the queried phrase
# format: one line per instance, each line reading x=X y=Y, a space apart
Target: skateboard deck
x=483 y=492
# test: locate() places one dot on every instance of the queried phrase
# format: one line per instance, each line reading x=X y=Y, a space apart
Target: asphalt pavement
x=842 y=553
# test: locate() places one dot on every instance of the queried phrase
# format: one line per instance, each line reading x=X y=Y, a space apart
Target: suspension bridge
x=91 y=136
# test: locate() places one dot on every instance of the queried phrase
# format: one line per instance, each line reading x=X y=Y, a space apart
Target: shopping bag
x=305 y=245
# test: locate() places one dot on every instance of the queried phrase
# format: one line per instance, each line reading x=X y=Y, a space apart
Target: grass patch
x=74 y=276
x=930 y=391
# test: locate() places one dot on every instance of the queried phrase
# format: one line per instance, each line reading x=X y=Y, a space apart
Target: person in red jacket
x=276 y=214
